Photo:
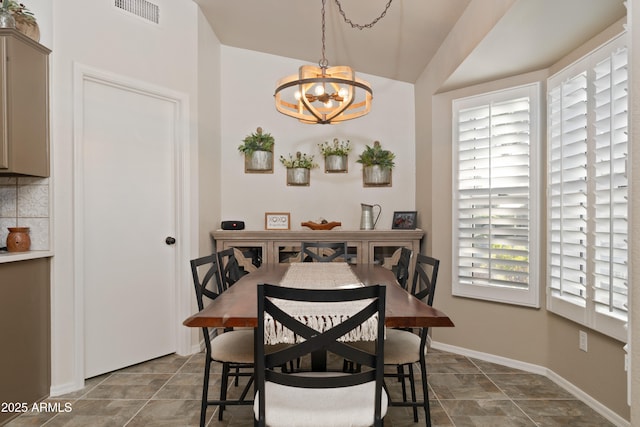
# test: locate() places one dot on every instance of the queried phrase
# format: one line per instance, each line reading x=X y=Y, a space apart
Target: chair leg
x=205 y=392
x=351 y=367
x=224 y=383
x=402 y=379
x=400 y=372
x=412 y=383
x=425 y=392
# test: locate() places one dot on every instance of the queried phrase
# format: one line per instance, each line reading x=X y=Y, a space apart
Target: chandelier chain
x=323 y=62
x=360 y=26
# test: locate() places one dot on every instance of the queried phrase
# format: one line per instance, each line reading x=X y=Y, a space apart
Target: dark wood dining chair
x=318 y=399
x=232 y=348
x=323 y=251
x=230 y=269
x=401 y=269
x=405 y=347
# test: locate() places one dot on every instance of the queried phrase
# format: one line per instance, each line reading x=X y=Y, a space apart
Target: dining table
x=237 y=306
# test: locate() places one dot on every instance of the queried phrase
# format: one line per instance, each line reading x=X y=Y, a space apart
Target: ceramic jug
x=366 y=220
x=18 y=239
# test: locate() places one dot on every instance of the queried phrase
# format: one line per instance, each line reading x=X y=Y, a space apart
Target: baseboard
x=540 y=370
x=589 y=400
x=511 y=363
x=196 y=348
x=59 y=390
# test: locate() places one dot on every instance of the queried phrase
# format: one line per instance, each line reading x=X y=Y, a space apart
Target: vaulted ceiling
x=533 y=34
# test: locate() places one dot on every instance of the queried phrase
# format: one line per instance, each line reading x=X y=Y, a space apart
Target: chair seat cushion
x=303 y=407
x=401 y=347
x=237 y=346
x=233 y=346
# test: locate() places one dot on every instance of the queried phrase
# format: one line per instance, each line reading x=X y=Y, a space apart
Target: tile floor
x=463 y=391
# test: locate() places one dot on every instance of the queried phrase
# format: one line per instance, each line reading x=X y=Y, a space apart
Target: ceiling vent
x=142 y=8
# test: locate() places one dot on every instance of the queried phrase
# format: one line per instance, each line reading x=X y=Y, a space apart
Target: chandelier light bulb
x=343 y=92
x=319 y=90
x=328 y=104
x=297 y=95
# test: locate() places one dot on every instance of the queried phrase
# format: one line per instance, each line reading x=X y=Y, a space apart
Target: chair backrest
x=423 y=287
x=425 y=277
x=312 y=340
x=206 y=281
x=230 y=270
x=401 y=269
x=323 y=251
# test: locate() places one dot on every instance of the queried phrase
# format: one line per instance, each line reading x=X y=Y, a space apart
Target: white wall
x=248 y=82
x=209 y=87
x=96 y=34
x=42 y=10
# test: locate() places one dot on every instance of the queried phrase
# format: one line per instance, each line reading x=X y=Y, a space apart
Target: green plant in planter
x=377 y=156
x=337 y=148
x=257 y=141
x=19 y=10
x=299 y=161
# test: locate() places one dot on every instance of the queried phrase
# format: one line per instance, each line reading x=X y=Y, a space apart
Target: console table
x=275 y=246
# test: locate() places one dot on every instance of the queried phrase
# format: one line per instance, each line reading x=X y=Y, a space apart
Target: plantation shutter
x=567 y=184
x=587 y=197
x=611 y=105
x=493 y=194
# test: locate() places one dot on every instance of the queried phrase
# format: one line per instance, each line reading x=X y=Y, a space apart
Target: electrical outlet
x=626 y=362
x=583 y=340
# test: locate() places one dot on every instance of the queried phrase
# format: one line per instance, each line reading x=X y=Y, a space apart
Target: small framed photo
x=277 y=221
x=404 y=220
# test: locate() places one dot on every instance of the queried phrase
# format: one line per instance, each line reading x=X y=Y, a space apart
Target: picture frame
x=404 y=220
x=277 y=221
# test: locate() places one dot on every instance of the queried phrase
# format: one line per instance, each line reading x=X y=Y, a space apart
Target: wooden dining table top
x=237 y=306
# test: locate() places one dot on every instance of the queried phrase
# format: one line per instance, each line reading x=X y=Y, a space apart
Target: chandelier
x=322 y=94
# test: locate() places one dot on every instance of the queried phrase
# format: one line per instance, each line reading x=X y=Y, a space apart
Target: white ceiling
x=532 y=35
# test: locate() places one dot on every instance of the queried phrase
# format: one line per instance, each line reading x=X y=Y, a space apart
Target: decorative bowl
x=323 y=226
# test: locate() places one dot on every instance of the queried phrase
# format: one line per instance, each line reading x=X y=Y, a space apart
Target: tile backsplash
x=24 y=202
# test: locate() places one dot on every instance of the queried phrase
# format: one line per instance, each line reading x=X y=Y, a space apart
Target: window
x=495 y=194
x=587 y=200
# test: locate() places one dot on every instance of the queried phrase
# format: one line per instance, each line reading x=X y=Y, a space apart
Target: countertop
x=22 y=256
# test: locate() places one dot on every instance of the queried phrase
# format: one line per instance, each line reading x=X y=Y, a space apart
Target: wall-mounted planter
x=376 y=176
x=376 y=166
x=258 y=152
x=336 y=164
x=258 y=162
x=298 y=176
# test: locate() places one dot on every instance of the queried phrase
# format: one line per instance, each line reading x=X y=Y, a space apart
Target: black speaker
x=232 y=225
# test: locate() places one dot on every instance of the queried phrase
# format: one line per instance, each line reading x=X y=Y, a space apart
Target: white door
x=128 y=149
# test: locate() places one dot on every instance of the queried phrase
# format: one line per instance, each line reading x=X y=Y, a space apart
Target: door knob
x=170 y=240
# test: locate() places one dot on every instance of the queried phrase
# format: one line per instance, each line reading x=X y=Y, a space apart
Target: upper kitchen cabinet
x=24 y=105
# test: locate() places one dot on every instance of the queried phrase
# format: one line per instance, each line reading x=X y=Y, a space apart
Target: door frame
x=185 y=205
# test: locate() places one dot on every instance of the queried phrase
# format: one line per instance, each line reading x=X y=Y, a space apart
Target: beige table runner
x=320 y=316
